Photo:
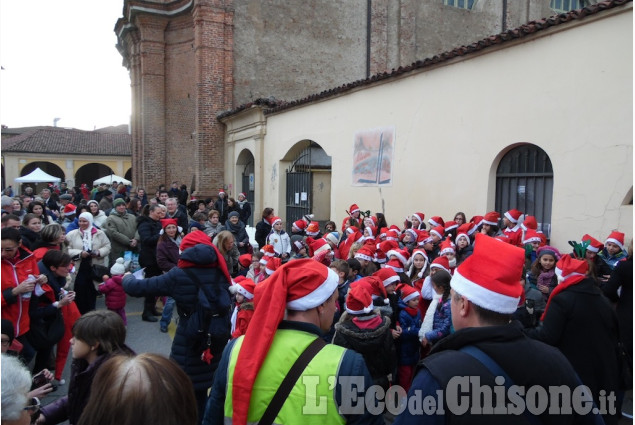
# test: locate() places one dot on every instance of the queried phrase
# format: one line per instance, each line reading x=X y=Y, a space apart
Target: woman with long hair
x=226 y=244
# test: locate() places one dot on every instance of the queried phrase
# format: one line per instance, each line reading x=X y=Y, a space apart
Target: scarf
x=368 y=322
x=412 y=311
x=574 y=280
x=544 y=278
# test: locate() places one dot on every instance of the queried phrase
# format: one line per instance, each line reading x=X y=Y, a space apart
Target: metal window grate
x=524 y=180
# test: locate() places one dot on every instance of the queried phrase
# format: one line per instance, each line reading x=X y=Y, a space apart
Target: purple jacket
x=115 y=295
x=167 y=255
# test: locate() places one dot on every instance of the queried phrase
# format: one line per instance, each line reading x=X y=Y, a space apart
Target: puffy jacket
x=375 y=345
x=177 y=284
x=280 y=241
x=16 y=308
x=408 y=343
x=167 y=255
x=442 y=323
x=115 y=295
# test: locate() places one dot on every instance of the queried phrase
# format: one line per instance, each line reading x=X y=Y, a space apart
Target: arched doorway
x=128 y=175
x=90 y=172
x=308 y=183
x=246 y=179
x=47 y=167
x=524 y=180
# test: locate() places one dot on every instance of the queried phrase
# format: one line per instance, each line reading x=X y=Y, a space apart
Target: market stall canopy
x=38 y=176
x=112 y=178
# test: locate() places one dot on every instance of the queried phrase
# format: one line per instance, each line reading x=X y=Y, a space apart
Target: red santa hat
x=374 y=286
x=383 y=232
x=320 y=245
x=245 y=287
x=165 y=222
x=436 y=221
x=70 y=209
x=386 y=246
x=380 y=256
x=617 y=238
x=438 y=231
x=221 y=192
x=446 y=247
x=245 y=260
x=408 y=292
x=532 y=236
x=351 y=230
x=392 y=235
x=513 y=215
x=299 y=225
x=274 y=220
x=353 y=209
x=529 y=223
x=313 y=228
x=419 y=216
x=450 y=225
x=298 y=285
x=273 y=264
x=268 y=250
x=594 y=245
x=369 y=232
x=387 y=275
x=200 y=238
x=441 y=262
x=359 y=300
x=243 y=194
x=423 y=237
x=476 y=220
x=365 y=253
x=402 y=255
x=568 y=267
x=462 y=233
x=395 y=264
x=491 y=218
x=490 y=277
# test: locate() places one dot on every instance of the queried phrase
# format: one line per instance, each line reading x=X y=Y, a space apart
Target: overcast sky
x=59 y=61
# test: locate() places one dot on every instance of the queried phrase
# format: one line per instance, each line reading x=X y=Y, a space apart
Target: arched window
x=524 y=180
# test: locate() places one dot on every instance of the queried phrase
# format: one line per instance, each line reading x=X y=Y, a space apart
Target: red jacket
x=15 y=308
x=245 y=313
x=115 y=295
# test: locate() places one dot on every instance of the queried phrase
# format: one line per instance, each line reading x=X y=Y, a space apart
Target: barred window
x=461 y=4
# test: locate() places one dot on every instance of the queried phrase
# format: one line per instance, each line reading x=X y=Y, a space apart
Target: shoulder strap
x=289 y=381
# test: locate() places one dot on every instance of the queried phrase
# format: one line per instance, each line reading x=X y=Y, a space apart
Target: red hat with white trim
x=491 y=218
x=298 y=285
x=513 y=215
x=423 y=237
x=461 y=232
x=594 y=245
x=476 y=220
x=438 y=231
x=408 y=292
x=352 y=229
x=245 y=260
x=531 y=236
x=299 y=225
x=221 y=191
x=313 y=228
x=365 y=253
x=402 y=255
x=386 y=246
x=436 y=221
x=387 y=275
x=273 y=264
x=529 y=223
x=320 y=245
x=359 y=300
x=568 y=267
x=446 y=247
x=353 y=209
x=441 y=262
x=268 y=250
x=245 y=287
x=395 y=264
x=450 y=225
x=392 y=235
x=617 y=238
x=419 y=216
x=70 y=209
x=375 y=287
x=490 y=277
x=274 y=220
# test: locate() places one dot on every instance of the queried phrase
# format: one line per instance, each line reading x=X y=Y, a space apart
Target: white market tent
x=38 y=176
x=112 y=178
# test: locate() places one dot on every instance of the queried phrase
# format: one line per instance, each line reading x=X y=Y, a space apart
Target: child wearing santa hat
x=612 y=253
x=442 y=317
x=363 y=329
x=243 y=289
x=408 y=341
x=256 y=270
x=279 y=239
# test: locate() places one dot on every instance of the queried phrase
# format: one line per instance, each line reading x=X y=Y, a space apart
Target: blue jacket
x=408 y=343
x=352 y=365
x=442 y=323
x=177 y=284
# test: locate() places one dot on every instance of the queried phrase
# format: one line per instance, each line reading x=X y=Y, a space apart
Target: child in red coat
x=112 y=288
x=244 y=289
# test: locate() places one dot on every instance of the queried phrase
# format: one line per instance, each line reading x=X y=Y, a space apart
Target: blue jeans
x=166 y=317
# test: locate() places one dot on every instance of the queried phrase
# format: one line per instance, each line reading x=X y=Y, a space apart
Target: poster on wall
x=372 y=156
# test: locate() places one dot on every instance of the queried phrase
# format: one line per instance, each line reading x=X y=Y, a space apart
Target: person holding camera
x=87 y=246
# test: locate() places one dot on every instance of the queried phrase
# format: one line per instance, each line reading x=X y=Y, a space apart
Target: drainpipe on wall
x=368 y=35
x=504 y=20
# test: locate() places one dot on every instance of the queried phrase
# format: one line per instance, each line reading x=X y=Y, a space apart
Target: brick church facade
x=191 y=60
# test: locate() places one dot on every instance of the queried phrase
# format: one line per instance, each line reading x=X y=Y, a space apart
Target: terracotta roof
x=55 y=140
x=513 y=34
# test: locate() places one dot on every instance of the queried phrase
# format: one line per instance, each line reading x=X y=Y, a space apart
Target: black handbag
x=46 y=332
